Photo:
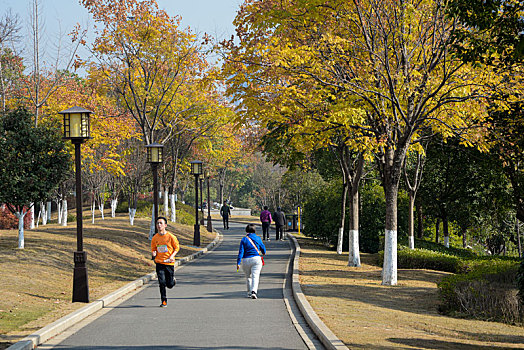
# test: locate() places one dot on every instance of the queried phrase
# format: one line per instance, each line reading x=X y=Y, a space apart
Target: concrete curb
x=51 y=330
x=324 y=334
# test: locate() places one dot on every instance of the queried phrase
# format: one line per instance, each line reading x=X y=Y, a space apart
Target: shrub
x=486 y=292
x=520 y=283
x=9 y=221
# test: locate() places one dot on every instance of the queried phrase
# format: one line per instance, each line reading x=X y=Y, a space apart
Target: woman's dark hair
x=250 y=228
x=265 y=207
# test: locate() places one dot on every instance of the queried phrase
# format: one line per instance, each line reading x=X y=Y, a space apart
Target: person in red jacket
x=164 y=247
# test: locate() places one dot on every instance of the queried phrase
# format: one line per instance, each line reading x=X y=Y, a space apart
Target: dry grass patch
x=366 y=315
x=36 y=286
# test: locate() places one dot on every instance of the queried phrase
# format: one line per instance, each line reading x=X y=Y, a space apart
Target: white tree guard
x=132 y=213
x=173 y=207
x=93 y=209
x=340 y=239
x=114 y=204
x=166 y=203
x=59 y=209
x=31 y=214
x=101 y=208
x=411 y=242
x=389 y=270
x=48 y=210
x=354 y=253
x=446 y=241
x=64 y=212
x=21 y=240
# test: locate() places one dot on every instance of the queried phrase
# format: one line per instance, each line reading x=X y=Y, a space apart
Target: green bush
x=424 y=259
x=487 y=291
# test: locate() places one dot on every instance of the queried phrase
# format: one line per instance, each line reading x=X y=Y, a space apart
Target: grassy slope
x=366 y=315
x=36 y=282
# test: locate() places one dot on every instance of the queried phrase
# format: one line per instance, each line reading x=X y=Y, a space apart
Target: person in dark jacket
x=225 y=211
x=250 y=256
x=280 y=221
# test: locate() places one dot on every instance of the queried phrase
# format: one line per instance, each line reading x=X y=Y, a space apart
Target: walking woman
x=250 y=255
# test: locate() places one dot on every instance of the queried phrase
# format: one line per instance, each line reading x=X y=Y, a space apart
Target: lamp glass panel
x=75 y=125
x=154 y=154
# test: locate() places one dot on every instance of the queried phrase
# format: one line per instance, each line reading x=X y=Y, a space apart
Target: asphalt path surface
x=207 y=309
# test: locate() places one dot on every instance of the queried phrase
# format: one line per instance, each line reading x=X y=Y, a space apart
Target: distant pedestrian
x=250 y=255
x=164 y=247
x=225 y=211
x=280 y=222
x=265 y=219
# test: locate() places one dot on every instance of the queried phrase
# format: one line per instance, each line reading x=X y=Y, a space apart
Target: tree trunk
x=389 y=270
x=354 y=246
x=343 y=217
x=93 y=209
x=132 y=212
x=517 y=224
x=48 y=211
x=420 y=223
x=411 y=221
x=64 y=212
x=445 y=228
x=152 y=225
x=21 y=240
x=166 y=202
x=59 y=211
x=31 y=213
x=172 y=198
x=114 y=205
x=437 y=230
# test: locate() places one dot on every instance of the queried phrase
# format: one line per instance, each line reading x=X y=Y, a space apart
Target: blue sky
x=214 y=17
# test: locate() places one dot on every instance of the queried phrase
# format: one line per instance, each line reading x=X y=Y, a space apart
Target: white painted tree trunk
x=152 y=226
x=43 y=211
x=114 y=204
x=59 y=212
x=172 y=198
x=31 y=213
x=38 y=218
x=64 y=212
x=21 y=241
x=354 y=254
x=132 y=213
x=93 y=209
x=340 y=240
x=48 y=211
x=166 y=203
x=101 y=208
x=411 y=242
x=446 y=241
x=389 y=270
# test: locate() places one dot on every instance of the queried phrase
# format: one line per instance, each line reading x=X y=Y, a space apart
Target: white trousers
x=252 y=267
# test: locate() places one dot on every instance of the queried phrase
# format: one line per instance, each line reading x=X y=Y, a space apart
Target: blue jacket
x=246 y=249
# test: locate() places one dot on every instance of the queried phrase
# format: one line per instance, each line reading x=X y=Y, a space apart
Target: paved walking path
x=207 y=309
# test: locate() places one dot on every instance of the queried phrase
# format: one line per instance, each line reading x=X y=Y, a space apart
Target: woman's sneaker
x=253 y=295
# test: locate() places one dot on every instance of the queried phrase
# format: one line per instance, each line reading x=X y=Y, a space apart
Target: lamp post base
x=209 y=224
x=196 y=237
x=80 y=284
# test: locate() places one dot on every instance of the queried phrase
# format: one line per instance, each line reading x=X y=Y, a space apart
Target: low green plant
x=487 y=291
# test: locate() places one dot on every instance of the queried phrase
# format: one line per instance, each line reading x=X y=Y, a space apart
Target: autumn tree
x=382 y=70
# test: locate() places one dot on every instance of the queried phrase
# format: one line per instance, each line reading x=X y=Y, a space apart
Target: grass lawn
x=366 y=315
x=36 y=282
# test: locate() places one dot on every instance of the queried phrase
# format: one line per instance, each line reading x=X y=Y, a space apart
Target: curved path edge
x=60 y=325
x=324 y=334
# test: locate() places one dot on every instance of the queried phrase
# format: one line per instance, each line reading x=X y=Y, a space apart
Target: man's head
x=161 y=224
x=225 y=202
x=265 y=207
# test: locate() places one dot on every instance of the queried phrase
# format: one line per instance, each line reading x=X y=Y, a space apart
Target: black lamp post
x=201 y=202
x=155 y=157
x=196 y=169
x=209 y=224
x=76 y=129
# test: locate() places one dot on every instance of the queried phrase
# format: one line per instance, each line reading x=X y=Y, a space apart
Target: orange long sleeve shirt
x=164 y=245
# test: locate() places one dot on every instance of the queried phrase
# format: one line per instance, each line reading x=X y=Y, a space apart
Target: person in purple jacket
x=250 y=256
x=265 y=219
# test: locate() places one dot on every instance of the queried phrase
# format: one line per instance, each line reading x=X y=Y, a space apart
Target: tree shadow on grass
x=420 y=343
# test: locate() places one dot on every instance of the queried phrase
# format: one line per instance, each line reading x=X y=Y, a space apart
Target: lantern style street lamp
x=155 y=156
x=196 y=170
x=209 y=224
x=77 y=129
